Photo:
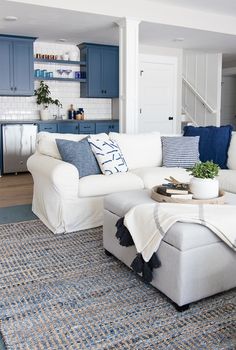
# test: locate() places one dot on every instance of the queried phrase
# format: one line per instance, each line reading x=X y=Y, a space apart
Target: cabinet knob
x=11 y=88
x=102 y=91
x=105 y=91
x=15 y=88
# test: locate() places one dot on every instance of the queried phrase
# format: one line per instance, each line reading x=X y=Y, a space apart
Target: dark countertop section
x=39 y=121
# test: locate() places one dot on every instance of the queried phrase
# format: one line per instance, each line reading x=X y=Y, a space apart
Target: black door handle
x=170 y=118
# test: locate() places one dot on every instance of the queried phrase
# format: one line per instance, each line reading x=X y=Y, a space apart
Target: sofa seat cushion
x=139 y=150
x=156 y=176
x=227 y=180
x=182 y=236
x=100 y=185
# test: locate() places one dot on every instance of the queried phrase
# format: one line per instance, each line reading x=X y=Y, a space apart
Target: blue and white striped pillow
x=109 y=156
x=180 y=151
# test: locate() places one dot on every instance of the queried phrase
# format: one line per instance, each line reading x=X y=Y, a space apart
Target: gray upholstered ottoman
x=195 y=263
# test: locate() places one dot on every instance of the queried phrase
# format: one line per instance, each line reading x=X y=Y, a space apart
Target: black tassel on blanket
x=138 y=264
x=123 y=234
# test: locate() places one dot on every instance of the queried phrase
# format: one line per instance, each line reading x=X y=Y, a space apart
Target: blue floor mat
x=13 y=214
x=16 y=213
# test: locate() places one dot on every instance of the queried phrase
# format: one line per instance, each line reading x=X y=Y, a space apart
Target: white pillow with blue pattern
x=108 y=155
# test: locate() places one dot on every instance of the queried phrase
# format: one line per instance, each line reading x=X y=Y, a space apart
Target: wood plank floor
x=16 y=189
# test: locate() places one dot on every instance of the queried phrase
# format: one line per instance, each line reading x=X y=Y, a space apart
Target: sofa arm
x=62 y=176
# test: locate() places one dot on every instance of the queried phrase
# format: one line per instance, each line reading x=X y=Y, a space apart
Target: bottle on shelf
x=71 y=112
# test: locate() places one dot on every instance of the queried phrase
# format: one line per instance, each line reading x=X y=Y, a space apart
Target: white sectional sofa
x=67 y=203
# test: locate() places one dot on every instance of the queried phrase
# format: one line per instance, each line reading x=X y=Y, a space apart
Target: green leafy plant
x=205 y=170
x=43 y=96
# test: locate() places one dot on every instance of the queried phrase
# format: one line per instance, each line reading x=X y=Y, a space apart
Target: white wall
x=203 y=71
x=228 y=100
x=67 y=92
x=168 y=51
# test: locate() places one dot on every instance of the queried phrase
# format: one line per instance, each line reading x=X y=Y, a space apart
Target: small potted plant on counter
x=43 y=98
x=204 y=184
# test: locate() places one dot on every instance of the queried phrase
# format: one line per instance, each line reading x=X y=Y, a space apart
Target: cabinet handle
x=105 y=91
x=11 y=88
x=102 y=91
x=47 y=128
x=15 y=88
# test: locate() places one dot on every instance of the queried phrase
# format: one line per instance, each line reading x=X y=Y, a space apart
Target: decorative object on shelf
x=71 y=112
x=73 y=56
x=43 y=98
x=204 y=184
x=77 y=75
x=67 y=72
x=65 y=56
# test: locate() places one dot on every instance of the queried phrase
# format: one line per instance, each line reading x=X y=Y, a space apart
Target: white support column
x=128 y=78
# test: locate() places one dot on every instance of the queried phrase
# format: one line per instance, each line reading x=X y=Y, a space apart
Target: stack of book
x=180 y=191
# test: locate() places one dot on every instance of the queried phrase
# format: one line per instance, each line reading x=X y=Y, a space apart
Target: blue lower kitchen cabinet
x=16 y=62
x=87 y=128
x=48 y=127
x=107 y=126
x=68 y=128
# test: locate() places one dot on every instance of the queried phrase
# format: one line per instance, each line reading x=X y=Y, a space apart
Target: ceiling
x=51 y=24
x=226 y=7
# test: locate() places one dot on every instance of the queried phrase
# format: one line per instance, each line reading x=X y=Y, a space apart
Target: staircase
x=201 y=88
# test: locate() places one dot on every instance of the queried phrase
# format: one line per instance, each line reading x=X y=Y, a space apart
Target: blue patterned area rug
x=63 y=292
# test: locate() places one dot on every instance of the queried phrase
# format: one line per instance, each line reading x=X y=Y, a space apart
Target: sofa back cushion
x=46 y=142
x=232 y=152
x=214 y=142
x=139 y=150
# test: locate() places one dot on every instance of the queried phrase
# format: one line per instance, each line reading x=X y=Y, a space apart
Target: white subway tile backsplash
x=68 y=93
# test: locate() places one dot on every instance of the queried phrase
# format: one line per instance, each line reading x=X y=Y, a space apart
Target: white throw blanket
x=148 y=223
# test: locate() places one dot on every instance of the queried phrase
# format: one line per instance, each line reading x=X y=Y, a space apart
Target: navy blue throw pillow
x=79 y=154
x=214 y=142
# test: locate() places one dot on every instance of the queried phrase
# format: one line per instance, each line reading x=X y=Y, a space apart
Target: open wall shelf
x=44 y=60
x=62 y=79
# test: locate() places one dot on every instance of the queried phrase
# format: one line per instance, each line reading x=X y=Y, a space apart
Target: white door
x=157 y=94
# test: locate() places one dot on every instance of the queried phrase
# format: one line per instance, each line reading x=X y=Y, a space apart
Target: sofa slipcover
x=66 y=203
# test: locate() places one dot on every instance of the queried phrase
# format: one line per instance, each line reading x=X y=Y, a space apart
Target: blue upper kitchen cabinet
x=101 y=69
x=16 y=64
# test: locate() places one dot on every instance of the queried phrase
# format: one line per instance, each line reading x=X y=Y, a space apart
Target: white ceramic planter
x=44 y=114
x=204 y=188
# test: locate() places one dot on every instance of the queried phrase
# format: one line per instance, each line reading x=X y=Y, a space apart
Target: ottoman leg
x=107 y=252
x=181 y=308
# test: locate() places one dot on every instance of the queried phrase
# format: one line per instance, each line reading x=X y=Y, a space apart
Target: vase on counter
x=44 y=114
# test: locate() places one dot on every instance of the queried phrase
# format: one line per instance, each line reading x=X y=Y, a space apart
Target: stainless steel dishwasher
x=18 y=144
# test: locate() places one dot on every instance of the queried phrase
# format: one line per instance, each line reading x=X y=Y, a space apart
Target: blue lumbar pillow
x=80 y=155
x=214 y=142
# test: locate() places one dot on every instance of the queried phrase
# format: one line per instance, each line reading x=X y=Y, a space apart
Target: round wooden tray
x=161 y=198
